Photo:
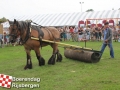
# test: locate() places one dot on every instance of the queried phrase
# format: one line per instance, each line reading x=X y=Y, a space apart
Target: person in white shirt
x=75 y=34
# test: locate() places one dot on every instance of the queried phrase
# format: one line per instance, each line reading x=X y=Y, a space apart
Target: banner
x=1 y=29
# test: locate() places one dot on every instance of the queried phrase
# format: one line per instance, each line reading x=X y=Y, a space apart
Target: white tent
x=70 y=19
x=5 y=24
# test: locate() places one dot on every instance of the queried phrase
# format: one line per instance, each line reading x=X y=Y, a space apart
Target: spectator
x=0 y=40
x=7 y=40
x=115 y=34
x=80 y=32
x=72 y=33
x=75 y=34
x=61 y=33
x=96 y=33
x=118 y=35
x=100 y=34
x=68 y=33
x=87 y=33
x=93 y=34
x=64 y=34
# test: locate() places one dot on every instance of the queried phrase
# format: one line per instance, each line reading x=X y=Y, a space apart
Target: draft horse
x=26 y=30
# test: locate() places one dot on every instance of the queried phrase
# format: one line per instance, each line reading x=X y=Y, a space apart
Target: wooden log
x=84 y=55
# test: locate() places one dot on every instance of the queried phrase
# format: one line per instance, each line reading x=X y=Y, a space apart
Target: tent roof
x=70 y=19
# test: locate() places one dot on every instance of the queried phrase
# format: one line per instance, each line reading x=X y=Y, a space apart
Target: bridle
x=14 y=32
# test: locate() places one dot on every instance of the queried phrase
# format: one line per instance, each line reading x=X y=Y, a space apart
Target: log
x=84 y=55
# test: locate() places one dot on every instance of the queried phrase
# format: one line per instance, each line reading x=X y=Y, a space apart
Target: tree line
x=3 y=20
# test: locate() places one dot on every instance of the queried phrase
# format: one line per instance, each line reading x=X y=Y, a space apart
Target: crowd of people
x=4 y=41
x=75 y=34
x=86 y=33
x=106 y=33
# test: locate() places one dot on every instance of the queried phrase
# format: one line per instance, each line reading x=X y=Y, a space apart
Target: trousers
x=111 y=49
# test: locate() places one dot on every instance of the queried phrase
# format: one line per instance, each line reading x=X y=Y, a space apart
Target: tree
x=90 y=10
x=3 y=20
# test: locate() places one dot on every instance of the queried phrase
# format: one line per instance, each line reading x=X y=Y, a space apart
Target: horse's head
x=13 y=30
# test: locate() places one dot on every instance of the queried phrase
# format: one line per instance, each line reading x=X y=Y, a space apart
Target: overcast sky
x=9 y=8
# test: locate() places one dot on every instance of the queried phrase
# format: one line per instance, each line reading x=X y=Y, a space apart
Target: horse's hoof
x=42 y=62
x=52 y=60
x=59 y=58
x=28 y=67
x=49 y=62
x=25 y=67
x=53 y=63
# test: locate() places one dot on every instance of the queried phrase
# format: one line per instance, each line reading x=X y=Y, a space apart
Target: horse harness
x=40 y=32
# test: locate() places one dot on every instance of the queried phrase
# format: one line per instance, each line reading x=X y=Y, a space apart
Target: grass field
x=66 y=75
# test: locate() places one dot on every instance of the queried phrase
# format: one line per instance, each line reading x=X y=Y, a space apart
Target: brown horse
x=25 y=30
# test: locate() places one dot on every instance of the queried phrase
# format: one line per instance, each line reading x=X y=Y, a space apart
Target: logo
x=5 y=80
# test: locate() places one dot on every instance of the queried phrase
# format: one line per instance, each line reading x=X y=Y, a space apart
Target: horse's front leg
x=29 y=62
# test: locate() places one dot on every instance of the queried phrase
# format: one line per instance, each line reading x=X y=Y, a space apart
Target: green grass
x=66 y=75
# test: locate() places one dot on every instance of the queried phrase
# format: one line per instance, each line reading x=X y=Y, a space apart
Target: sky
x=10 y=8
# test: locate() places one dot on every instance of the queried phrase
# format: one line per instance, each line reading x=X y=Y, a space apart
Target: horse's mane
x=25 y=25
x=11 y=22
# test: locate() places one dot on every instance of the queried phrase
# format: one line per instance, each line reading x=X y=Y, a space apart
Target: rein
x=27 y=35
x=13 y=35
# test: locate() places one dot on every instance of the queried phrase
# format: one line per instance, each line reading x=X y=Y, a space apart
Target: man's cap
x=106 y=23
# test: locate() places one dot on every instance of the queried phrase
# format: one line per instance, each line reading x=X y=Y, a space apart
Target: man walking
x=107 y=40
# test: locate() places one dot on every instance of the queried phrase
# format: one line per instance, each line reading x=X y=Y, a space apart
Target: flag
x=5 y=81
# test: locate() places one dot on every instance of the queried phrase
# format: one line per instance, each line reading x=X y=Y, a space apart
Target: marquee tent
x=67 y=19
